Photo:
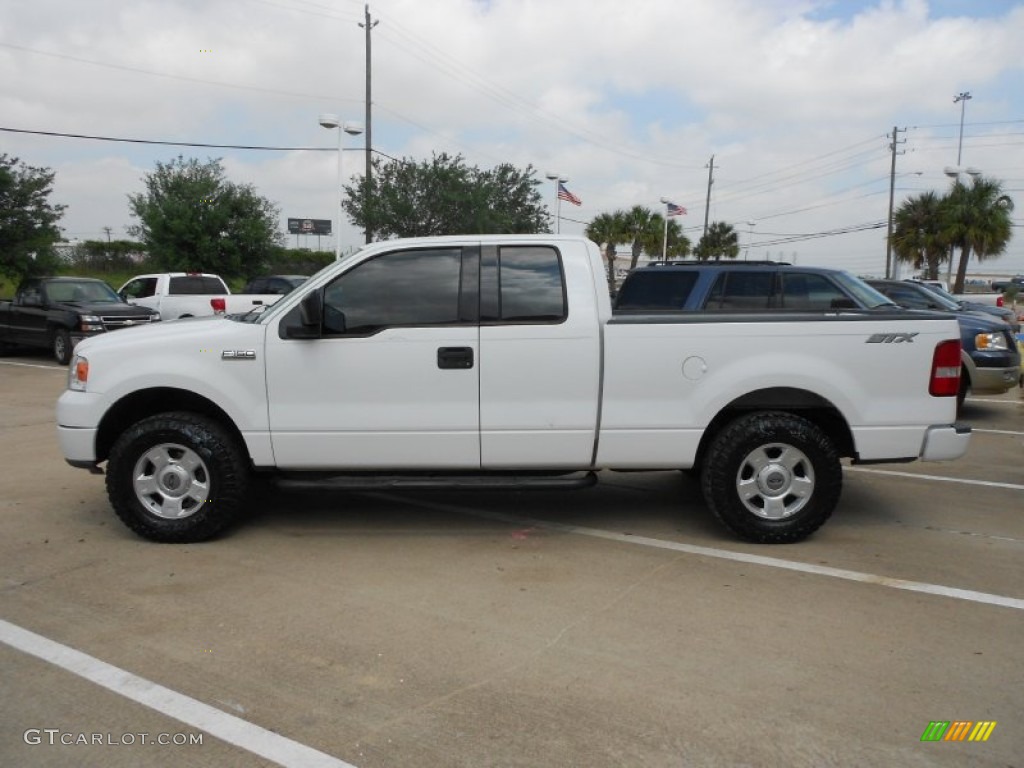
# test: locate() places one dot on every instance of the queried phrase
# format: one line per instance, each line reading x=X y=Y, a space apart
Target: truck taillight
x=219 y=305
x=945 y=380
x=999 y=301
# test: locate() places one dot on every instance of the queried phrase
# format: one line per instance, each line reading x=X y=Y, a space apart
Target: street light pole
x=961 y=98
x=352 y=129
x=558 y=179
x=750 y=238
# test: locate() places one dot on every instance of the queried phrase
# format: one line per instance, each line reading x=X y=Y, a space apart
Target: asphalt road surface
x=615 y=626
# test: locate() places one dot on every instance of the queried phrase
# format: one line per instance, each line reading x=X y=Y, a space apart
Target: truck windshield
x=92 y=291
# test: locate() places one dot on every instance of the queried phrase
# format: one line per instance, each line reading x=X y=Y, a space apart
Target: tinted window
x=397 y=289
x=259 y=285
x=807 y=291
x=531 y=284
x=196 y=285
x=656 y=289
x=140 y=288
x=909 y=297
x=742 y=290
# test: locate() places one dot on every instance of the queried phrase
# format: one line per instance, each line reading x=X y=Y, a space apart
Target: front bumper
x=945 y=442
x=994 y=381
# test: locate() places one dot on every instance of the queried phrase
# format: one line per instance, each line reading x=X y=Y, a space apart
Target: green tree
x=28 y=220
x=108 y=256
x=720 y=241
x=977 y=220
x=641 y=225
x=918 y=233
x=192 y=217
x=444 y=196
x=655 y=238
x=606 y=229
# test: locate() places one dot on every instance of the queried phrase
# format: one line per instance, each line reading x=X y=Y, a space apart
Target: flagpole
x=558 y=179
x=664 y=239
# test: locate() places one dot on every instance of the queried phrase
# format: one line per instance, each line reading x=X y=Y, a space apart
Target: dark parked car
x=279 y=284
x=1005 y=314
x=991 y=363
x=58 y=312
x=743 y=286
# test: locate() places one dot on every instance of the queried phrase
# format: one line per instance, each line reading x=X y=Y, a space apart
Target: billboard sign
x=309 y=226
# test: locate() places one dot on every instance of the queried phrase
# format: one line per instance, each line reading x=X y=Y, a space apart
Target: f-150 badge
x=238 y=354
x=891 y=338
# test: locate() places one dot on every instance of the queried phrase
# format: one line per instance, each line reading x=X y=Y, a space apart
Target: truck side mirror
x=311 y=313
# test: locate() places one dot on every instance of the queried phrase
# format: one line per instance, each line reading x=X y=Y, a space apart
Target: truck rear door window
x=402 y=288
x=531 y=285
x=741 y=291
x=196 y=285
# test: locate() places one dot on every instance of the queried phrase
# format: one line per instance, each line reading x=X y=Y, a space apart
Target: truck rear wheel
x=772 y=478
x=177 y=477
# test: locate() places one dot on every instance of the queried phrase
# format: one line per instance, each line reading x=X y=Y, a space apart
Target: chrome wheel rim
x=171 y=481
x=775 y=481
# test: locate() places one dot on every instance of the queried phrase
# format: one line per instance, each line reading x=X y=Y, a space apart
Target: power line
x=169 y=143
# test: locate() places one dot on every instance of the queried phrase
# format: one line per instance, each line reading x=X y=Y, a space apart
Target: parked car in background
x=1002 y=286
x=279 y=284
x=1001 y=311
x=56 y=313
x=989 y=356
x=739 y=286
x=189 y=294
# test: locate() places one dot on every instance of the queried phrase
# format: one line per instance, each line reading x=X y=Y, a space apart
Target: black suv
x=743 y=286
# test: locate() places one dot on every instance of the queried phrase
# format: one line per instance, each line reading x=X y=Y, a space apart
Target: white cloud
x=629 y=100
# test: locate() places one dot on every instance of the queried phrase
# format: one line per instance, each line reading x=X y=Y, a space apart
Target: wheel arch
x=139 y=405
x=800 y=402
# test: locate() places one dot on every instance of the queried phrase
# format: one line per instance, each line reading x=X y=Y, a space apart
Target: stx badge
x=891 y=338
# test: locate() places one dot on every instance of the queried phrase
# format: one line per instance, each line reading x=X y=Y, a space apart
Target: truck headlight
x=990 y=341
x=78 y=373
x=90 y=323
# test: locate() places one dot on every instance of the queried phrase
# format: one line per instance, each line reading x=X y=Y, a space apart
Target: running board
x=482 y=482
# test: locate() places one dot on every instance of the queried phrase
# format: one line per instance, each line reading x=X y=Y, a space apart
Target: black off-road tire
x=177 y=477
x=60 y=343
x=794 y=491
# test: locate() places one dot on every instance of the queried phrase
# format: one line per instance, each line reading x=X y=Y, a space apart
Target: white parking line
x=35 y=365
x=726 y=554
x=252 y=738
x=936 y=478
x=1019 y=401
x=1015 y=433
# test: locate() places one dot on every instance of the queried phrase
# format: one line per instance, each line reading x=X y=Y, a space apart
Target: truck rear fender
x=810 y=406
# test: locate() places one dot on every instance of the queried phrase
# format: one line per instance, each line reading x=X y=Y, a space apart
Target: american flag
x=569 y=197
x=675 y=210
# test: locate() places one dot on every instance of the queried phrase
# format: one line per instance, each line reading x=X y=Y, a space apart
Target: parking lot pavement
x=613 y=626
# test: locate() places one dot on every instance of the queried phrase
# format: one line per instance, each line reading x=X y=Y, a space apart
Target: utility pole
x=368 y=24
x=707 y=204
x=890 y=265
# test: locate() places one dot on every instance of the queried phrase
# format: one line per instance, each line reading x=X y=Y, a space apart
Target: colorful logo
x=958 y=730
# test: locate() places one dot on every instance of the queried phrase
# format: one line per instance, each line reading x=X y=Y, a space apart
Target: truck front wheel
x=772 y=478
x=62 y=346
x=177 y=477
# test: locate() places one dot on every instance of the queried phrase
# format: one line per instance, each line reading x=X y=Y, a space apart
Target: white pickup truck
x=496 y=361
x=189 y=294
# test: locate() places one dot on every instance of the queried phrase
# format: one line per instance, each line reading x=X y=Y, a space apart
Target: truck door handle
x=455 y=357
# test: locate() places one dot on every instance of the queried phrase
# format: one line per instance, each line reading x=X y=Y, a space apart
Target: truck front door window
x=403 y=288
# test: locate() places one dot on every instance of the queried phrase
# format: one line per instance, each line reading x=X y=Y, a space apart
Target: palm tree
x=977 y=219
x=720 y=241
x=606 y=229
x=917 y=235
x=640 y=225
x=677 y=245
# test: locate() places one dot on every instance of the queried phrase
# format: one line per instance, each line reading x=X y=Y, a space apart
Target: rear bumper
x=945 y=442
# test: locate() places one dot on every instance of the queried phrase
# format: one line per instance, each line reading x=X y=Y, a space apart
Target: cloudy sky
x=795 y=99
